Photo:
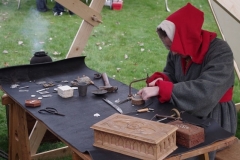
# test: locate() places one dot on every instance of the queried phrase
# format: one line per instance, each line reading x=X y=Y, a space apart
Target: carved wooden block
x=135 y=137
x=188 y=135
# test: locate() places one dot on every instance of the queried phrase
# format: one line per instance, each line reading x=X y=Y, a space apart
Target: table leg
x=18 y=134
x=75 y=156
x=204 y=156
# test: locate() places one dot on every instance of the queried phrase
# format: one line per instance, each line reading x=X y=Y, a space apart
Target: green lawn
x=129 y=32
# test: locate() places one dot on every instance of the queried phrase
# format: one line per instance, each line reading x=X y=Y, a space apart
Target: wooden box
x=32 y=103
x=188 y=135
x=136 y=137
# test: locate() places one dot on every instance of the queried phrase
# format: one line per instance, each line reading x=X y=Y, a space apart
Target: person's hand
x=148 y=92
x=153 y=82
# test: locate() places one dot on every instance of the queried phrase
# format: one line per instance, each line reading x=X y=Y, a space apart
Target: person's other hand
x=153 y=82
x=148 y=92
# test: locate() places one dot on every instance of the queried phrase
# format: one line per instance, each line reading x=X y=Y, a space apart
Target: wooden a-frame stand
x=91 y=18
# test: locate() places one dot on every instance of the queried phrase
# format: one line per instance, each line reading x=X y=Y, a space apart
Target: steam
x=35 y=29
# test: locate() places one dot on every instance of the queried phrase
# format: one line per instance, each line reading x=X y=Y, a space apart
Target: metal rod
x=130 y=85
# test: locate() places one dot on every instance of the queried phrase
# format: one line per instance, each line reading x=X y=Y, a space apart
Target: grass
x=129 y=32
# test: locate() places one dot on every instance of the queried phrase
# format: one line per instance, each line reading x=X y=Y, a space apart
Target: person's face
x=166 y=41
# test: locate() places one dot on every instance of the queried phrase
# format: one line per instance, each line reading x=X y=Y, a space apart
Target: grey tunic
x=200 y=89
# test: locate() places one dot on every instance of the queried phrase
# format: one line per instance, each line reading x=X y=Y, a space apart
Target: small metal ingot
x=23 y=90
x=44 y=92
x=23 y=87
x=46 y=95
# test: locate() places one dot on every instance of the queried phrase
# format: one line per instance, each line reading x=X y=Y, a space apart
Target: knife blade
x=113 y=105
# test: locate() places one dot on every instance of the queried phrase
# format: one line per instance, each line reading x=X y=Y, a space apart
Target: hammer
x=108 y=87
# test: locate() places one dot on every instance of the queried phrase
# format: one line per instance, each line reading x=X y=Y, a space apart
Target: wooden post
x=91 y=18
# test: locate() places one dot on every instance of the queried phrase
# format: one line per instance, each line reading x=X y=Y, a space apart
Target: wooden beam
x=237 y=107
x=82 y=10
x=36 y=136
x=55 y=153
x=84 y=32
x=6 y=100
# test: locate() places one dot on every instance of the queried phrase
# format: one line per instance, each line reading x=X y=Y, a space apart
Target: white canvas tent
x=227 y=16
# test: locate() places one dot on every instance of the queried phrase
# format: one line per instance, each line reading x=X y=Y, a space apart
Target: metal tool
x=130 y=85
x=175 y=116
x=125 y=100
x=145 y=110
x=50 y=111
x=107 y=86
x=113 y=105
x=97 y=76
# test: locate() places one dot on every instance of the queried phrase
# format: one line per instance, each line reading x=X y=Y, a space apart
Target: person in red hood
x=199 y=73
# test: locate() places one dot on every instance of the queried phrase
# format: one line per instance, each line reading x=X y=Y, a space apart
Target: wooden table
x=73 y=129
x=23 y=147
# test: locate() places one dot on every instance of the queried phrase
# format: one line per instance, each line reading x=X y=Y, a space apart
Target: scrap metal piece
x=23 y=87
x=14 y=86
x=41 y=82
x=50 y=84
x=97 y=76
x=44 y=92
x=23 y=90
x=42 y=89
x=46 y=95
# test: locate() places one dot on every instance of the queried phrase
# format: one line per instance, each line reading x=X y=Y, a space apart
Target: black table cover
x=74 y=127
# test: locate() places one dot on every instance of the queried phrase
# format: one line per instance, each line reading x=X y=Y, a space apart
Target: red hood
x=189 y=38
